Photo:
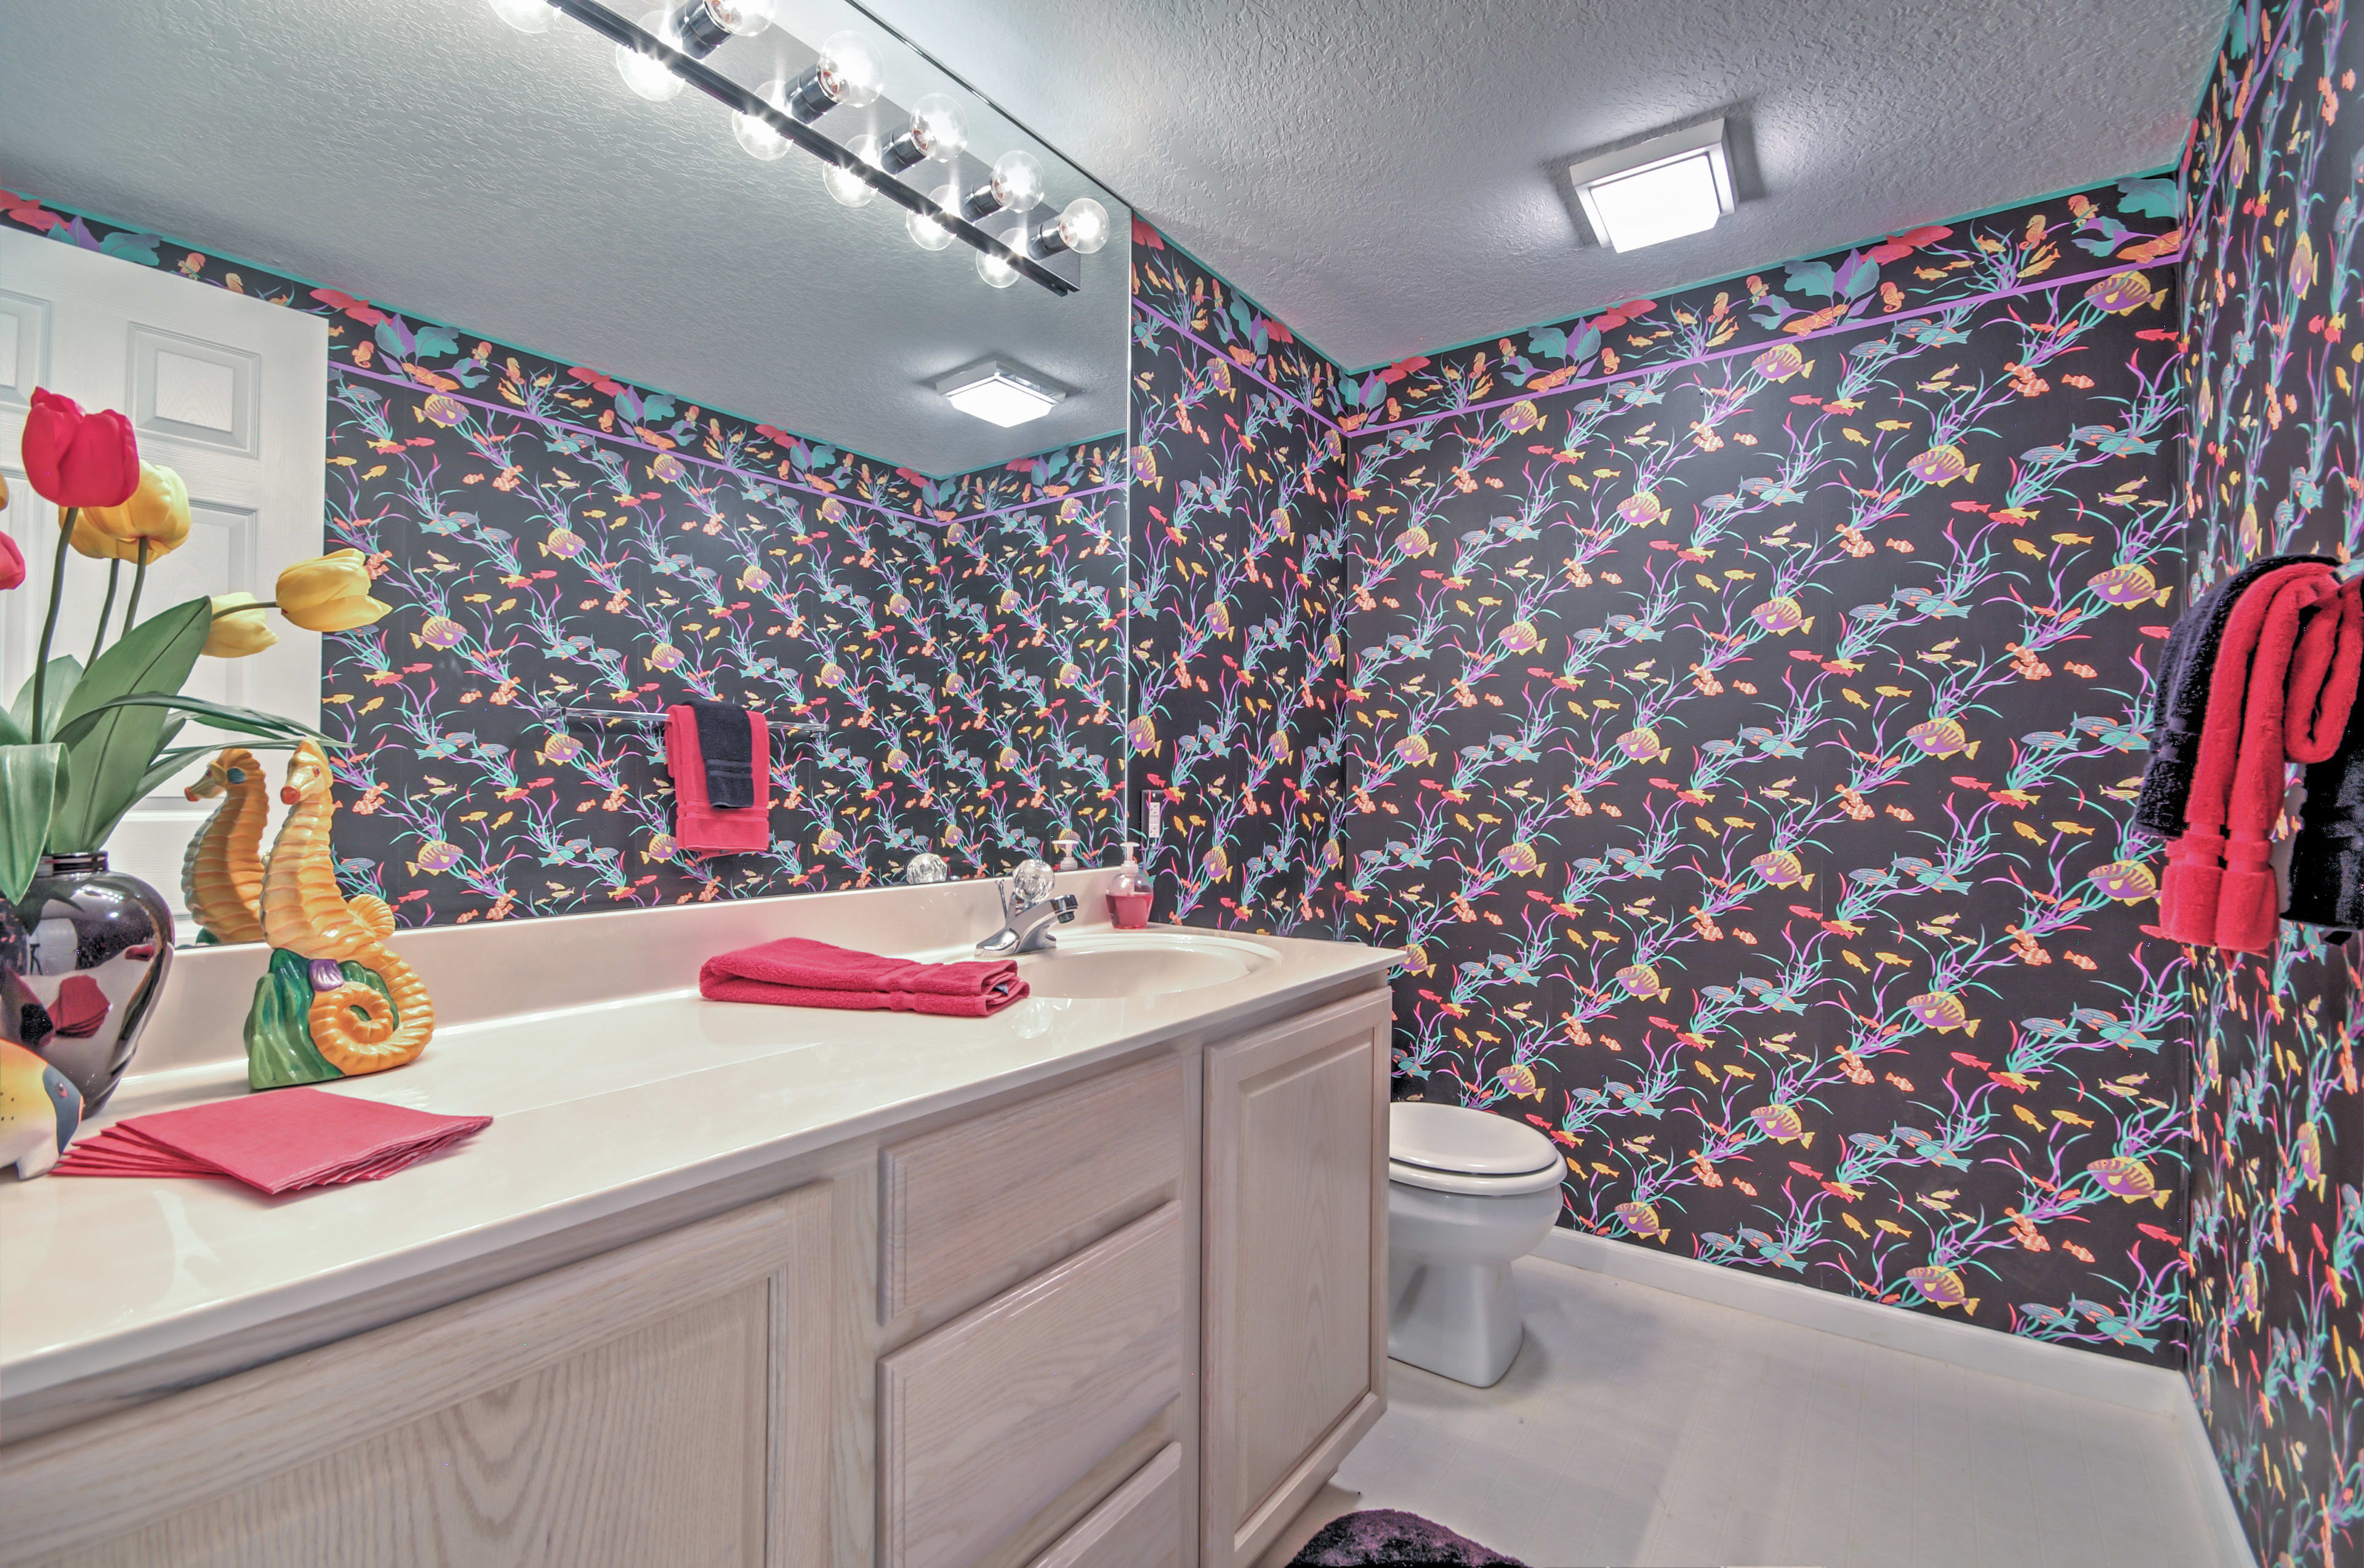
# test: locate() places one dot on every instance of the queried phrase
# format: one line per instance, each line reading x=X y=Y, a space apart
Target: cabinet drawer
x=1140 y=1524
x=967 y=1204
x=984 y=1422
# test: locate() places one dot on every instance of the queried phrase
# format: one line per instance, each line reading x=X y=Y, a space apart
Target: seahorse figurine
x=336 y=1002
x=222 y=876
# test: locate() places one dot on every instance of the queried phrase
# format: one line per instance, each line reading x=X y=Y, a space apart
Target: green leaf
x=29 y=779
x=221 y=716
x=65 y=675
x=179 y=757
x=113 y=754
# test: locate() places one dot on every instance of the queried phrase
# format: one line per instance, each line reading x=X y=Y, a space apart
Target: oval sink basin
x=1126 y=963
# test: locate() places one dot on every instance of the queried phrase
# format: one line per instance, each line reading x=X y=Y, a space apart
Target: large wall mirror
x=629 y=399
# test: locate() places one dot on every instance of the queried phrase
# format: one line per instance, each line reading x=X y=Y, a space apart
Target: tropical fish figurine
x=39 y=1109
x=221 y=877
x=335 y=1002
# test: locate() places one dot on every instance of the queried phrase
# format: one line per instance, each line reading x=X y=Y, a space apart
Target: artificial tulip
x=238 y=631
x=77 y=459
x=329 y=593
x=12 y=563
x=156 y=512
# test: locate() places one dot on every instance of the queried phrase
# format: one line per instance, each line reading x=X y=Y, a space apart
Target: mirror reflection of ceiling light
x=844 y=187
x=667 y=50
x=924 y=231
x=525 y=15
x=999 y=394
x=1656 y=190
x=645 y=74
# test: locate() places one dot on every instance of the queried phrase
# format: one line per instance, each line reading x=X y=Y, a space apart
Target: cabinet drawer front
x=968 y=1202
x=1140 y=1526
x=982 y=1423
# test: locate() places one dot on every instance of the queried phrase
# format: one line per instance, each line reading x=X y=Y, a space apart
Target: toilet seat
x=1453 y=1148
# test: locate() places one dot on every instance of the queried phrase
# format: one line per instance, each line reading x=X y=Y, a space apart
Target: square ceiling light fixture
x=1000 y=393
x=1656 y=190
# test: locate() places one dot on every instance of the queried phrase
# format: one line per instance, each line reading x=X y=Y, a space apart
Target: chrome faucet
x=1029 y=908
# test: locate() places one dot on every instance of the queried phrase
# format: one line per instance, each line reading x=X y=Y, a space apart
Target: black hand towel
x=2179 y=698
x=2327 y=861
x=726 y=742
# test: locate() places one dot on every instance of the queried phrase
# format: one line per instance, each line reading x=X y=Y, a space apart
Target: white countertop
x=598 y=1108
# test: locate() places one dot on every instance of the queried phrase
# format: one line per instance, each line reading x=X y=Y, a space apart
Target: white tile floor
x=1639 y=1426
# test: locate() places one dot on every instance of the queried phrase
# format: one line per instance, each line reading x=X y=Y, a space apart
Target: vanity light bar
x=732 y=95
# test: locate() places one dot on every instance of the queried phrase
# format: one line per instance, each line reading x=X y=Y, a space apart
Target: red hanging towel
x=699 y=827
x=2282 y=678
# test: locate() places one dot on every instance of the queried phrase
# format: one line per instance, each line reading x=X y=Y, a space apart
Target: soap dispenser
x=1128 y=894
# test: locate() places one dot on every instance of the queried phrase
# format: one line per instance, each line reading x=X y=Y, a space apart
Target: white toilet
x=1467 y=1191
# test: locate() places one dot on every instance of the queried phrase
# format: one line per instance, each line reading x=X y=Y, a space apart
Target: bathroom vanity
x=1096 y=1281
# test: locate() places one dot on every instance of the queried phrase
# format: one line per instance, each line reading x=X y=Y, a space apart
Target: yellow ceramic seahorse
x=303 y=913
x=222 y=876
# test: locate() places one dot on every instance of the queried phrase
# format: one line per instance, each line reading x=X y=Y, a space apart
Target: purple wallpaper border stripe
x=684 y=456
x=1163 y=319
x=2175 y=260
x=2199 y=204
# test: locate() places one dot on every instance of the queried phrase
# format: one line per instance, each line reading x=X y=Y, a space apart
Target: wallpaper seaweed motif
x=2276 y=463
x=1741 y=746
x=1235 y=540
x=554 y=539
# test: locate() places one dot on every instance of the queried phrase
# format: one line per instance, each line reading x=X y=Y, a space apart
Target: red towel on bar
x=798 y=973
x=702 y=828
x=2284 y=680
x=279 y=1142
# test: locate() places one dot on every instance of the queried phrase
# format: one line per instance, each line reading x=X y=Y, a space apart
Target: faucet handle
x=1031 y=880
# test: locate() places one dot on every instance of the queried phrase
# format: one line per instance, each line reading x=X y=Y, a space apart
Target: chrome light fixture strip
x=732 y=95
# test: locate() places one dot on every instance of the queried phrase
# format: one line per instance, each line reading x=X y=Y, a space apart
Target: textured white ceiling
x=1376 y=172
x=423 y=155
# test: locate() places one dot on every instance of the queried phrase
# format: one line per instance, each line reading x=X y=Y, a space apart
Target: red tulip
x=77 y=459
x=12 y=563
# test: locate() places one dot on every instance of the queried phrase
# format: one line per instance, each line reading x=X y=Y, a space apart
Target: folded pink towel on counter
x=281 y=1142
x=796 y=971
x=698 y=825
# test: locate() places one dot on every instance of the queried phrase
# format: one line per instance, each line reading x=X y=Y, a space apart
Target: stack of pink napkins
x=283 y=1142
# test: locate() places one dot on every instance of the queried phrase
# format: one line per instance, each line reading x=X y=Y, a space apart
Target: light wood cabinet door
x=992 y=1418
x=667 y=1402
x=1294 y=1336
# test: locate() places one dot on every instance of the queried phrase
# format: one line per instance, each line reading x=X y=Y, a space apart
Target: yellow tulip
x=158 y=512
x=329 y=593
x=239 y=632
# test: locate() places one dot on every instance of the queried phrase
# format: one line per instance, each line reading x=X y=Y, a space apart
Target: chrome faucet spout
x=1029 y=929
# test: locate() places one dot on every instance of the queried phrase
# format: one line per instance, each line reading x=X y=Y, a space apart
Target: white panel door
x=228 y=391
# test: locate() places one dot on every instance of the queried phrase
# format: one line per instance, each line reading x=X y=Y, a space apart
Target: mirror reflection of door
x=230 y=393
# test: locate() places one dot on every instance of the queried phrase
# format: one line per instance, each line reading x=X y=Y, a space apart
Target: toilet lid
x=1465 y=1141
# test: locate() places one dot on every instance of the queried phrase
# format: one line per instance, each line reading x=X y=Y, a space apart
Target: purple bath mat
x=1380 y=1537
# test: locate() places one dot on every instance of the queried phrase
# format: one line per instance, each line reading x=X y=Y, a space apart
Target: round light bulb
x=756 y=138
x=936 y=126
x=849 y=72
x=925 y=231
x=645 y=75
x=844 y=188
x=525 y=15
x=1016 y=180
x=744 y=18
x=1083 y=226
x=994 y=270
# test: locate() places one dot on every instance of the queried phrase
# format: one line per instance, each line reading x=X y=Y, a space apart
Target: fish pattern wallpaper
x=552 y=540
x=2276 y=465
x=1236 y=477
x=1738 y=705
